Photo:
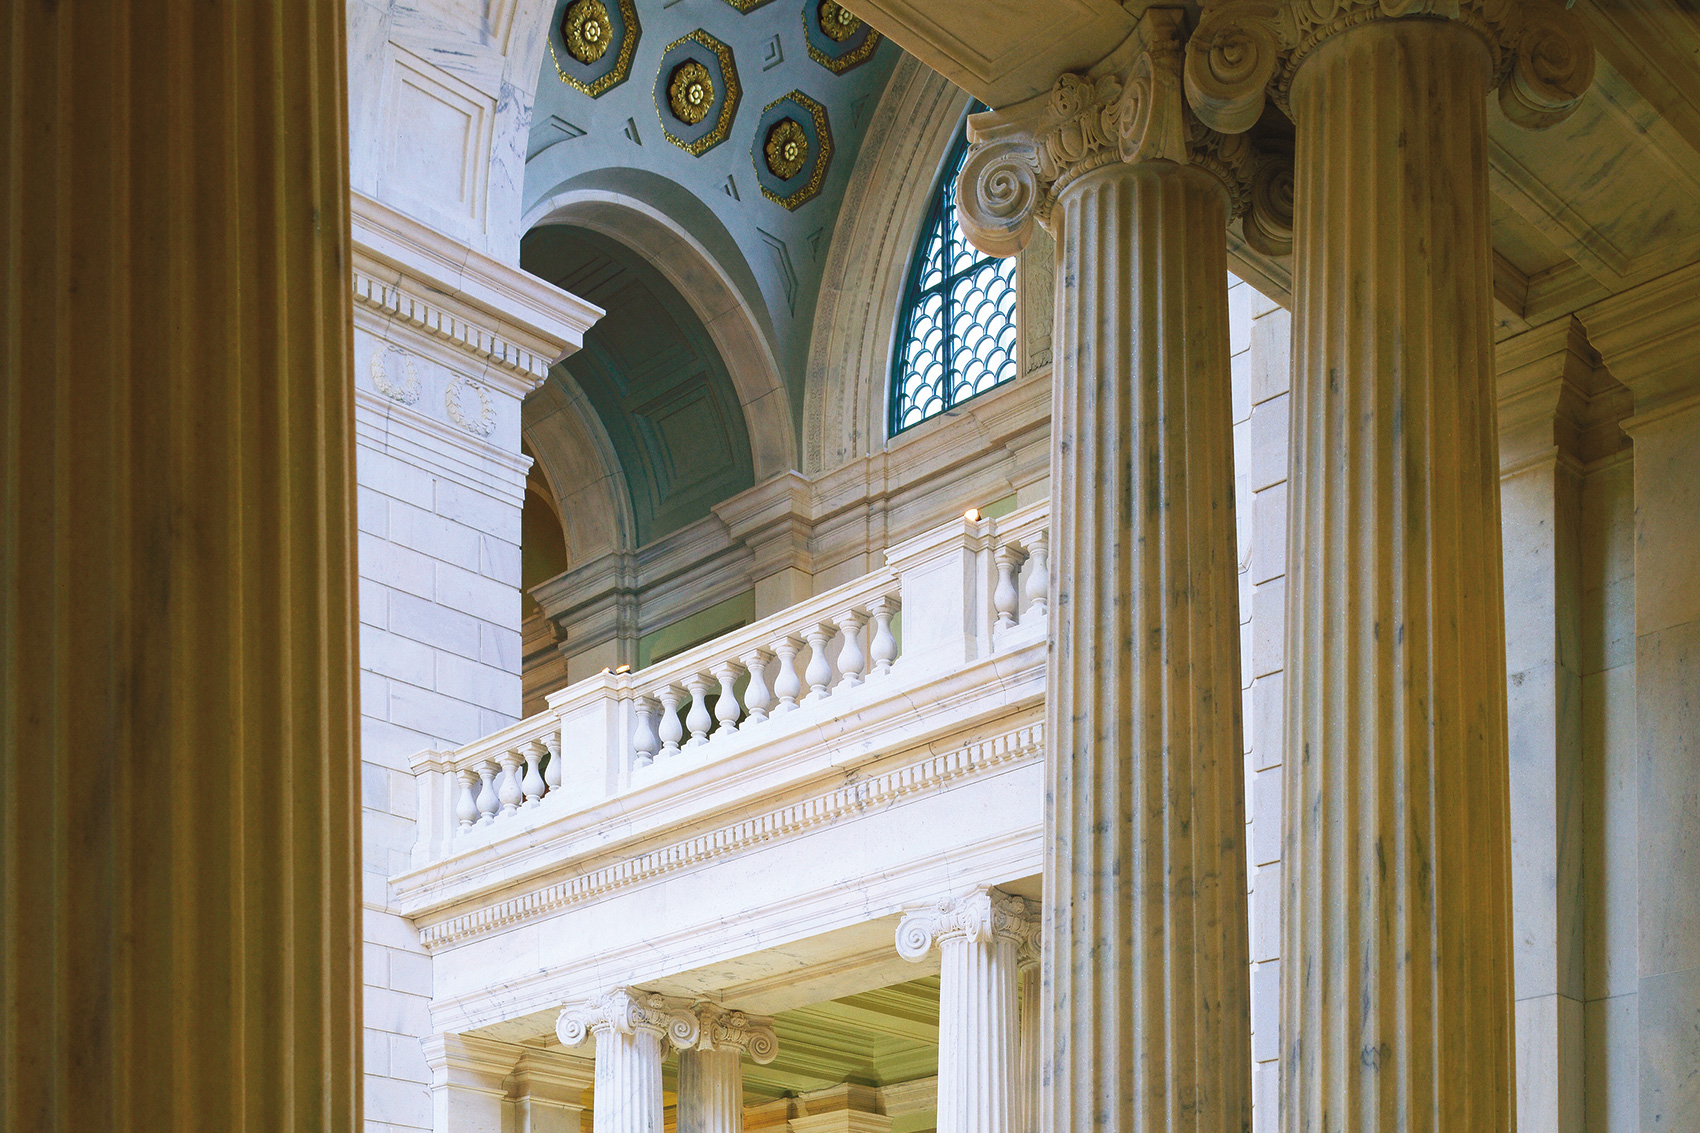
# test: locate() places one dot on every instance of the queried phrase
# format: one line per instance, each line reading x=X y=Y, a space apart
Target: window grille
x=958 y=315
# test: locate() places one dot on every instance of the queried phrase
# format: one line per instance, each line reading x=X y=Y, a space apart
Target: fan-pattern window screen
x=958 y=315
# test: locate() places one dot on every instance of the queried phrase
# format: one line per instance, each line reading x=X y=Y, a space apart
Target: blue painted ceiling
x=615 y=141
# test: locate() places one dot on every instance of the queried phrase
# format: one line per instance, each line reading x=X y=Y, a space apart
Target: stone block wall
x=1259 y=336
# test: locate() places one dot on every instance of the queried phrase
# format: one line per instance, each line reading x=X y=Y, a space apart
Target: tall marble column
x=630 y=1027
x=1396 y=962
x=711 y=1074
x=179 y=907
x=1145 y=891
x=980 y=936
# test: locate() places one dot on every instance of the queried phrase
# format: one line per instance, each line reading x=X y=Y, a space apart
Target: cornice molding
x=1020 y=745
x=500 y=314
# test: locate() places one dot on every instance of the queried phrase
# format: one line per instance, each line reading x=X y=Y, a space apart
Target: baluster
x=466 y=807
x=552 y=769
x=883 y=648
x=698 y=720
x=786 y=686
x=819 y=672
x=1039 y=578
x=487 y=801
x=852 y=662
x=645 y=741
x=671 y=731
x=507 y=787
x=1004 y=598
x=726 y=708
x=757 y=697
x=533 y=785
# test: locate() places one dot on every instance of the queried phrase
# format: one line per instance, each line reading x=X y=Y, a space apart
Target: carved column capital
x=723 y=1029
x=1130 y=107
x=1244 y=52
x=979 y=917
x=628 y=1011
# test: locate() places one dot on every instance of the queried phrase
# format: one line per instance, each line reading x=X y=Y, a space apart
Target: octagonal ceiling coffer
x=696 y=92
x=592 y=44
x=792 y=149
x=838 y=39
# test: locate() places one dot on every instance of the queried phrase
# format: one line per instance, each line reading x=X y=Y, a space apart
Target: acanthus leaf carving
x=978 y=916
x=1131 y=108
x=722 y=1028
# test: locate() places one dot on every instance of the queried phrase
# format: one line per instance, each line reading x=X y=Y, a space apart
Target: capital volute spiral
x=979 y=916
x=726 y=1029
x=1246 y=52
x=628 y=1011
x=1130 y=107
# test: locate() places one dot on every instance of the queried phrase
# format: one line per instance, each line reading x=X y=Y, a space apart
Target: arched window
x=958 y=315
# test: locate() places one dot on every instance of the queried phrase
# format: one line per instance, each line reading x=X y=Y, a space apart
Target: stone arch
x=577 y=461
x=845 y=389
x=717 y=291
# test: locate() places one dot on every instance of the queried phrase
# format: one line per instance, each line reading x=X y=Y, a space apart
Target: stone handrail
x=961 y=591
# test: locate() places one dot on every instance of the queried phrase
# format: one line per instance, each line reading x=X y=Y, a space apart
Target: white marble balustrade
x=966 y=590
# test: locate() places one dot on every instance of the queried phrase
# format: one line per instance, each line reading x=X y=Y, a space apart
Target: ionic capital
x=1130 y=107
x=980 y=916
x=723 y=1029
x=627 y=1011
x=1244 y=52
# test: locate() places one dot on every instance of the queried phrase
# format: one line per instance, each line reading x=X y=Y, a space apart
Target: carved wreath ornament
x=405 y=391
x=478 y=424
x=1164 y=96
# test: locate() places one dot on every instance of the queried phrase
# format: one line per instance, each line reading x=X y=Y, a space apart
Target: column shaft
x=711 y=1091
x=1396 y=964
x=629 y=1096
x=977 y=1035
x=1028 y=1050
x=1145 y=957
x=179 y=913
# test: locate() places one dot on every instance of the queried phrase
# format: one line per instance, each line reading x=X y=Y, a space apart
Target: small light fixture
x=623 y=669
x=972 y=515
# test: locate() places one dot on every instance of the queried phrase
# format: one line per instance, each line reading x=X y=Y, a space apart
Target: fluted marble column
x=1029 y=1074
x=981 y=937
x=1145 y=971
x=179 y=798
x=630 y=1027
x=1396 y=960
x=711 y=1074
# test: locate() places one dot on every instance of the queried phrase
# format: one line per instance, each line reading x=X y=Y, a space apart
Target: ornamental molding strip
x=627 y=1011
x=1245 y=52
x=725 y=1029
x=1128 y=108
x=471 y=337
x=979 y=916
x=1019 y=746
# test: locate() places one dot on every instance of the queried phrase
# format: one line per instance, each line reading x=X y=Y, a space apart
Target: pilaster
x=468 y=1083
x=547 y=1091
x=1650 y=339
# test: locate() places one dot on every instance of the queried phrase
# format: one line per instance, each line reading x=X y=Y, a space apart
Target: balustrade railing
x=965 y=590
